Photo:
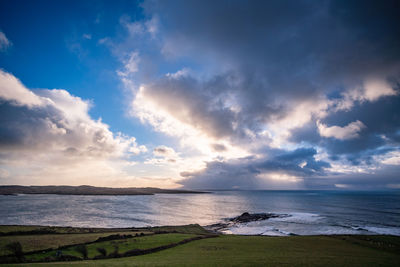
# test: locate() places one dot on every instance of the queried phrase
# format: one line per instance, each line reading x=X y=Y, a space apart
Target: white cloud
x=165 y=155
x=135 y=148
x=87 y=36
x=164 y=151
x=104 y=40
x=302 y=112
x=152 y=26
x=166 y=115
x=349 y=131
x=391 y=158
x=345 y=167
x=305 y=111
x=13 y=90
x=375 y=89
x=48 y=137
x=342 y=185
x=139 y=28
x=280 y=176
x=134 y=28
x=4 y=42
x=131 y=64
x=371 y=90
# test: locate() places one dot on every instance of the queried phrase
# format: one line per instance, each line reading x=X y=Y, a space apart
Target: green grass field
x=39 y=242
x=7 y=229
x=124 y=245
x=26 y=229
x=231 y=250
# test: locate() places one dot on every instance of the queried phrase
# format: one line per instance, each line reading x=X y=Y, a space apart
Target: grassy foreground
x=31 y=243
x=231 y=250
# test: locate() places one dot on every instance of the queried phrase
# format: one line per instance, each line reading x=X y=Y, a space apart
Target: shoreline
x=83 y=190
x=52 y=229
x=293 y=214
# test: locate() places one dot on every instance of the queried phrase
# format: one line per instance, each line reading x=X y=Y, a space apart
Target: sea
x=300 y=212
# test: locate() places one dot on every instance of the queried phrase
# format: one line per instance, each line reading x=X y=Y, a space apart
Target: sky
x=201 y=94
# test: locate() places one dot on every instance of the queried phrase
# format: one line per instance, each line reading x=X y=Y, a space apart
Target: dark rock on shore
x=244 y=218
x=217 y=228
x=248 y=217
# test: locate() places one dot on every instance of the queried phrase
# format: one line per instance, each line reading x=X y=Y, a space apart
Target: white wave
x=383 y=230
x=335 y=230
x=286 y=229
x=251 y=229
x=300 y=223
x=299 y=217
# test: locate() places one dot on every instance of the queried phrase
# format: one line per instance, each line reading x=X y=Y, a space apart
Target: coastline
x=293 y=214
x=89 y=190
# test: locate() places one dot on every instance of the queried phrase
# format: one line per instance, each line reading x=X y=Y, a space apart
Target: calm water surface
x=311 y=212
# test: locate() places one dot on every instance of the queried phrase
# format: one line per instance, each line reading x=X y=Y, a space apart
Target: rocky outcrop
x=244 y=218
x=248 y=217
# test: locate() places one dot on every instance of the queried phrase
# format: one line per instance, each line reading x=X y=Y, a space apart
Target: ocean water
x=309 y=212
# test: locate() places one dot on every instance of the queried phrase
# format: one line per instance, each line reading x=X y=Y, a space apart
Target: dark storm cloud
x=193 y=103
x=276 y=54
x=382 y=128
x=219 y=175
x=267 y=59
x=301 y=42
x=380 y=118
x=387 y=178
x=243 y=172
x=290 y=161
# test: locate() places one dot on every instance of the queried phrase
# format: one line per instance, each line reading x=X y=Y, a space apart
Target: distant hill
x=87 y=190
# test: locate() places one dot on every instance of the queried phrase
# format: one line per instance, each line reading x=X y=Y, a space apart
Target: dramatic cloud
x=287 y=75
x=11 y=89
x=49 y=132
x=259 y=94
x=171 y=108
x=187 y=101
x=272 y=77
x=275 y=168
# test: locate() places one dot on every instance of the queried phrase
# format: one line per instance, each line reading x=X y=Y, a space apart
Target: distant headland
x=88 y=190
